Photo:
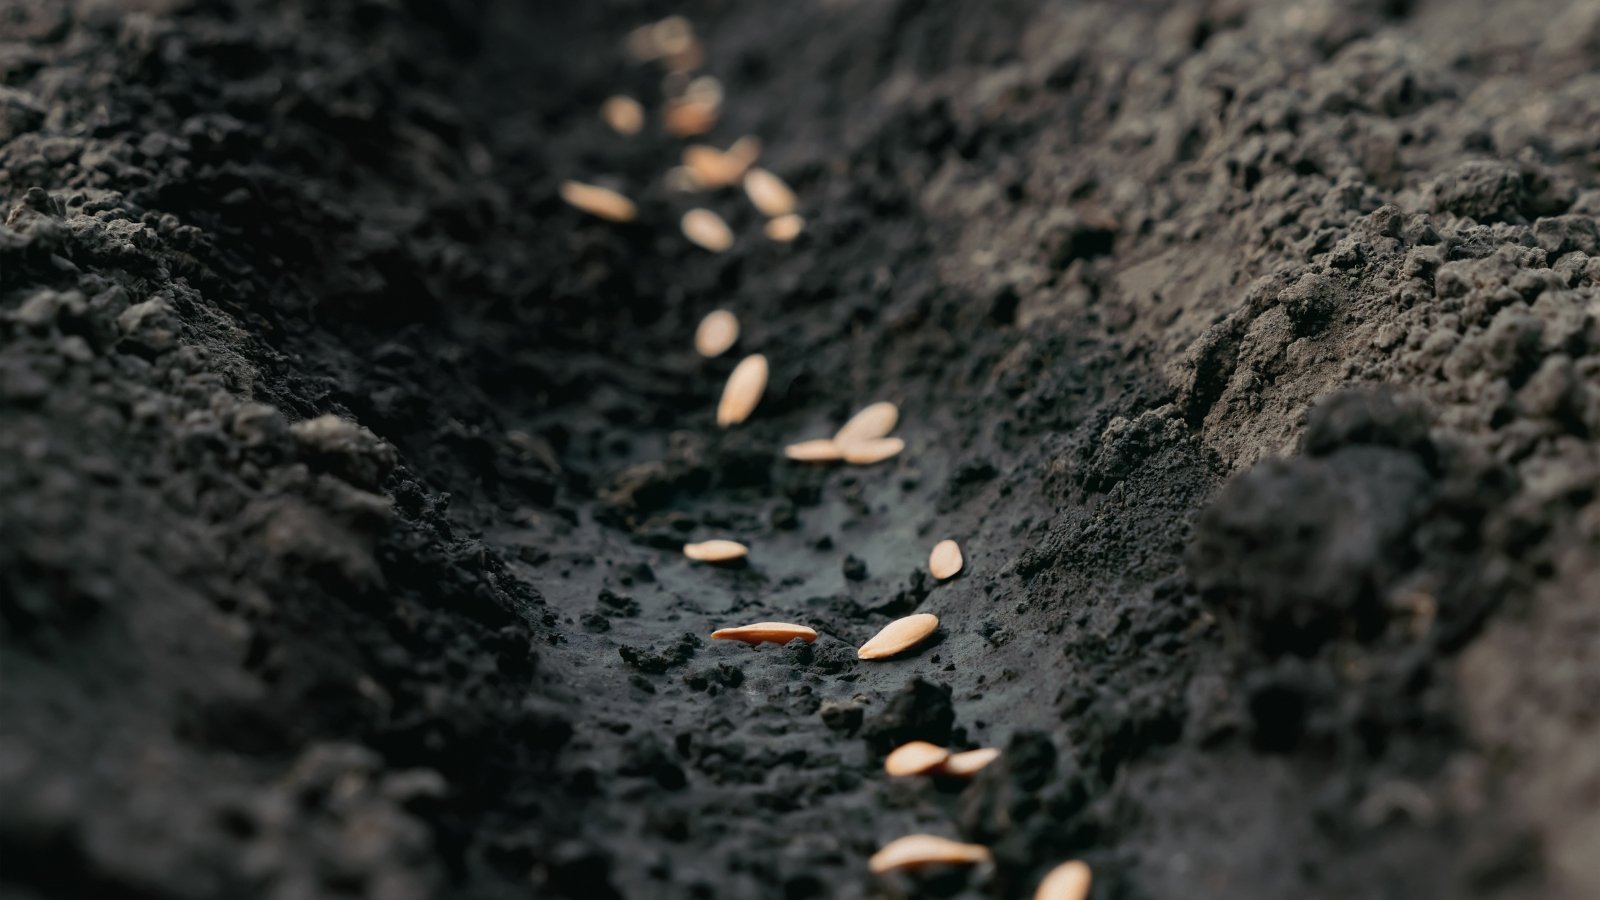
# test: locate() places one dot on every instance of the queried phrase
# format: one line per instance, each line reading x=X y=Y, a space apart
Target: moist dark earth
x=1251 y=351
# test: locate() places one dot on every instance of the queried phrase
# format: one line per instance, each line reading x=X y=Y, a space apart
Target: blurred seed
x=706 y=228
x=716 y=551
x=1068 y=881
x=899 y=636
x=623 y=114
x=705 y=89
x=640 y=44
x=713 y=168
x=687 y=118
x=945 y=560
x=784 y=229
x=865 y=453
x=917 y=850
x=768 y=192
x=746 y=150
x=874 y=421
x=820 y=450
x=717 y=332
x=967 y=764
x=915 y=758
x=743 y=390
x=775 y=632
x=598 y=201
x=679 y=178
x=671 y=35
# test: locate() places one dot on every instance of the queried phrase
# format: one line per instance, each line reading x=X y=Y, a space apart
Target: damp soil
x=1250 y=350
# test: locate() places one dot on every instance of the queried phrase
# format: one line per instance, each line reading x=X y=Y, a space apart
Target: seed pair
x=923 y=758
x=862 y=441
x=713 y=168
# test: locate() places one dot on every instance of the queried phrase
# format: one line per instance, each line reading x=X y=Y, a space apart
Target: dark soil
x=1251 y=350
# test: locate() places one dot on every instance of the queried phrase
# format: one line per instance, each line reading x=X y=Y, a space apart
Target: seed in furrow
x=967 y=764
x=768 y=192
x=623 y=114
x=713 y=168
x=945 y=560
x=598 y=201
x=689 y=117
x=899 y=636
x=743 y=390
x=716 y=551
x=718 y=331
x=915 y=851
x=820 y=450
x=775 y=632
x=915 y=758
x=1068 y=881
x=707 y=229
x=865 y=453
x=784 y=229
x=875 y=420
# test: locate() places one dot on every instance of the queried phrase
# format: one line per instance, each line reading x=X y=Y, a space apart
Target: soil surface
x=1250 y=350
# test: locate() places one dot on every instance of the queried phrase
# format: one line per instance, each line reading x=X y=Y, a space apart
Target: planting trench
x=1249 y=350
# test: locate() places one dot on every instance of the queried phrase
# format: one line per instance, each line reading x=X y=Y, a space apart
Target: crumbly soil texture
x=1250 y=351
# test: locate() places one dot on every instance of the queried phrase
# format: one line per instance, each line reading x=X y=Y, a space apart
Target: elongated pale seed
x=820 y=450
x=745 y=150
x=743 y=390
x=784 y=229
x=875 y=420
x=689 y=117
x=899 y=636
x=623 y=114
x=716 y=551
x=1068 y=881
x=718 y=331
x=917 y=850
x=966 y=764
x=768 y=192
x=945 y=560
x=865 y=453
x=713 y=168
x=707 y=229
x=598 y=201
x=775 y=632
x=915 y=758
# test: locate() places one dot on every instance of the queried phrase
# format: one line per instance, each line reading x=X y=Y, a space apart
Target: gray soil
x=1251 y=351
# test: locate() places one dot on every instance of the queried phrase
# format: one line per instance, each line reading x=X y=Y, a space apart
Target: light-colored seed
x=784 y=229
x=865 y=453
x=776 y=632
x=713 y=168
x=672 y=34
x=768 y=192
x=820 y=450
x=917 y=850
x=598 y=201
x=705 y=89
x=915 y=758
x=717 y=332
x=641 y=44
x=1068 y=881
x=875 y=420
x=706 y=228
x=743 y=390
x=623 y=114
x=746 y=150
x=899 y=636
x=689 y=117
x=945 y=560
x=966 y=764
x=716 y=551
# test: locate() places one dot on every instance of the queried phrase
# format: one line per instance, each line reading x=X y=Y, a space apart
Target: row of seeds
x=693 y=107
